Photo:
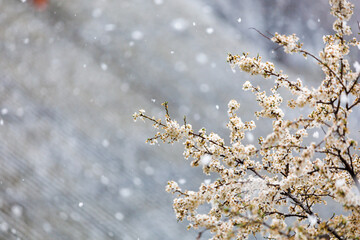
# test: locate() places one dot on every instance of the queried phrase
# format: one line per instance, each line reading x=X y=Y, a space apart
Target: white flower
x=312 y=220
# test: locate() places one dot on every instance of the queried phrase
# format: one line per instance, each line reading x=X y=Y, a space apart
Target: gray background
x=73 y=165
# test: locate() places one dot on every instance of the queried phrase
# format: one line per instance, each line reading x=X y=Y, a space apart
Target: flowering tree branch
x=284 y=176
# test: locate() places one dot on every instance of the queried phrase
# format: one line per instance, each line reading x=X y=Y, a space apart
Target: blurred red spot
x=40 y=4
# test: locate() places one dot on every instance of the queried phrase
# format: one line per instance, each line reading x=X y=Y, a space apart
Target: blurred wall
x=73 y=165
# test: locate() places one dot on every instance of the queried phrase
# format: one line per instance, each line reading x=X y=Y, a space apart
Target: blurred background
x=73 y=165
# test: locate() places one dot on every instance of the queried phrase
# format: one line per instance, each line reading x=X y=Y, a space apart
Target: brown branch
x=286 y=214
x=260 y=33
x=325 y=65
x=356 y=102
x=201 y=233
x=256 y=221
x=353 y=85
x=297 y=202
x=349 y=170
x=333 y=232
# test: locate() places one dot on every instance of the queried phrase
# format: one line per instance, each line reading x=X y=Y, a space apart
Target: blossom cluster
x=254 y=66
x=259 y=187
x=290 y=43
